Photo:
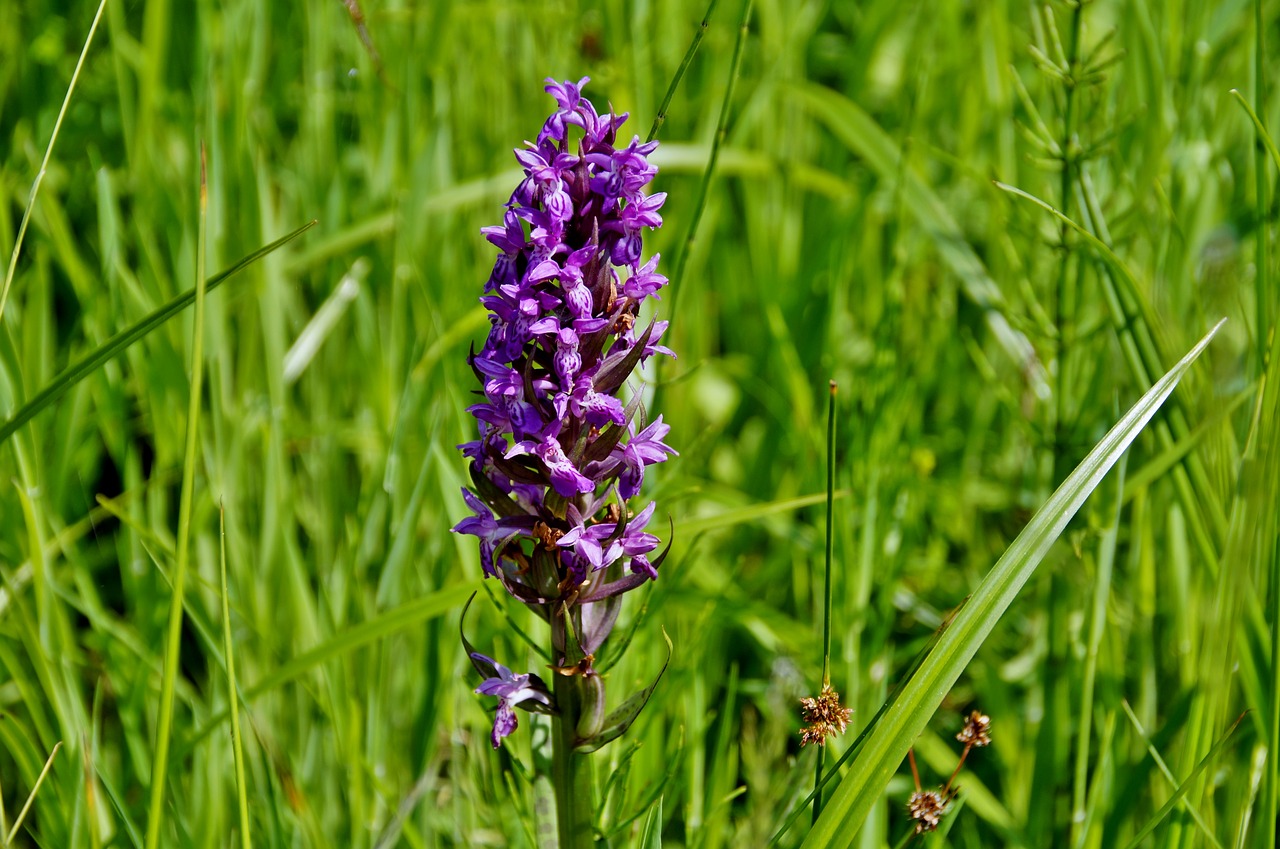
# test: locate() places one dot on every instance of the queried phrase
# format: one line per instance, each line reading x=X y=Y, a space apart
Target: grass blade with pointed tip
x=881 y=755
x=117 y=344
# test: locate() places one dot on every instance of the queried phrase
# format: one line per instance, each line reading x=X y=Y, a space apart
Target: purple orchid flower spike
x=557 y=455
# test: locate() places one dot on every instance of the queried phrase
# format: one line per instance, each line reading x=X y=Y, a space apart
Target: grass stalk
x=1261 y=175
x=826 y=586
x=31 y=798
x=44 y=164
x=661 y=115
x=722 y=132
x=1097 y=625
x=237 y=743
x=1063 y=299
x=173 y=644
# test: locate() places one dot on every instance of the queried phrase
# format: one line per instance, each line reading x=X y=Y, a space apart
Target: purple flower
x=584 y=402
x=564 y=476
x=493 y=533
x=511 y=689
x=645 y=282
x=644 y=449
x=556 y=417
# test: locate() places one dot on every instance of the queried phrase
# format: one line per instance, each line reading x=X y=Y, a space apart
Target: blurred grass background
x=853 y=231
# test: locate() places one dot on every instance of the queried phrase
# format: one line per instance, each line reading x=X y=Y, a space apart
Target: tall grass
x=995 y=226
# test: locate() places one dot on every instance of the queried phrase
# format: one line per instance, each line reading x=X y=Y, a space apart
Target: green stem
x=159 y=769
x=661 y=117
x=1063 y=299
x=1263 y=239
x=570 y=770
x=826 y=588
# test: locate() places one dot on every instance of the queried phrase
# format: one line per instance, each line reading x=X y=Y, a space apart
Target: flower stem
x=570 y=770
x=826 y=588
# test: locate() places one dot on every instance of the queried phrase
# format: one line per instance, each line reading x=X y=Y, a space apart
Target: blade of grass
x=661 y=115
x=722 y=131
x=159 y=771
x=1168 y=773
x=1262 y=185
x=1204 y=764
x=117 y=344
x=1097 y=625
x=44 y=165
x=22 y=815
x=883 y=751
x=237 y=743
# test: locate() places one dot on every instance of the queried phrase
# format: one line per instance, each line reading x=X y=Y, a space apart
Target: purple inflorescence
x=559 y=450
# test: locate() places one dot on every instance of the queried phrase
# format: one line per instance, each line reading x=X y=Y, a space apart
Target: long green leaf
x=880 y=756
x=117 y=344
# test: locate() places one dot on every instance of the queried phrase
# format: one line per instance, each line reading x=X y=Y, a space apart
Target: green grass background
x=852 y=231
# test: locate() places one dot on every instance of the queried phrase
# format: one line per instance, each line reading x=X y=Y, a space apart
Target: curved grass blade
x=117 y=344
x=884 y=750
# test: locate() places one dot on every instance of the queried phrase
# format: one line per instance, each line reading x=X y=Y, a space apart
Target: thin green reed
x=722 y=132
x=173 y=643
x=826 y=585
x=661 y=116
x=1065 y=296
x=1262 y=187
x=233 y=691
x=44 y=164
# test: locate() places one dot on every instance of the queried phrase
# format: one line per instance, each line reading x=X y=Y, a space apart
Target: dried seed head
x=825 y=717
x=976 y=731
x=926 y=808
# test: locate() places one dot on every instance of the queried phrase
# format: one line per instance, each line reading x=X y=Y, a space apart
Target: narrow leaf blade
x=883 y=752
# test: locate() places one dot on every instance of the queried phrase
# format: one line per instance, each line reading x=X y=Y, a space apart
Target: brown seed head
x=976 y=731
x=926 y=808
x=824 y=715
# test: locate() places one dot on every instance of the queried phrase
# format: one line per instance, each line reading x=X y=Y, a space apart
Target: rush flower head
x=824 y=715
x=562 y=440
x=976 y=732
x=926 y=808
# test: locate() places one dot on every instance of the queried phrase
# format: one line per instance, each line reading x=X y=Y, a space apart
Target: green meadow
x=229 y=598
